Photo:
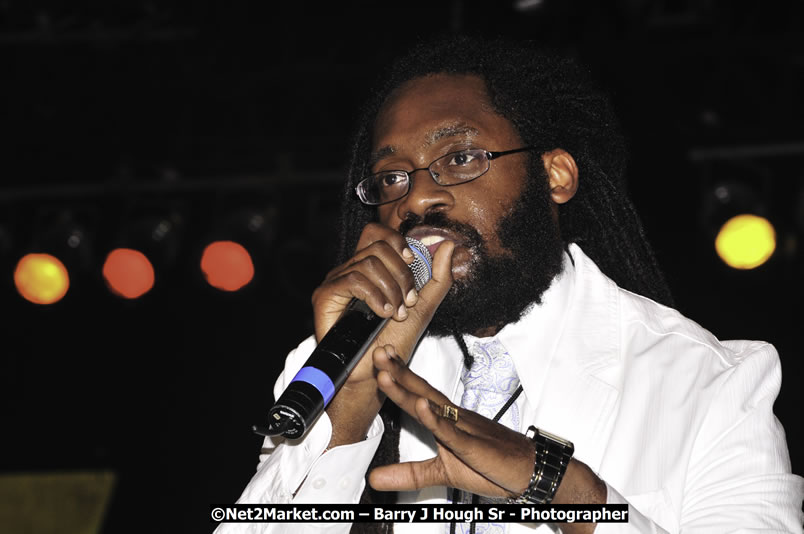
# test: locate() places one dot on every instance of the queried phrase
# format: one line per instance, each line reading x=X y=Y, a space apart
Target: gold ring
x=449 y=412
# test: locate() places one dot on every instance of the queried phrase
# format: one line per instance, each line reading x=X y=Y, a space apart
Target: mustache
x=437 y=219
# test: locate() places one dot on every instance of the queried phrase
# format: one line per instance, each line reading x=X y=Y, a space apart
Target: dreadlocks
x=552 y=104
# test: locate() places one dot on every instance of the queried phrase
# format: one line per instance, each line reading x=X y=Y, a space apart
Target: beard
x=500 y=289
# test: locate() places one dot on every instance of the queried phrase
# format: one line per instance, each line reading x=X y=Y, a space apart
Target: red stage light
x=227 y=265
x=128 y=273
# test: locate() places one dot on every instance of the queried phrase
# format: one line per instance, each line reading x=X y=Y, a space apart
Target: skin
x=425 y=119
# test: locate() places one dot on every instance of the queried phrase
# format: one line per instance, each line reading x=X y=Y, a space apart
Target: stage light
x=746 y=241
x=737 y=221
x=58 y=256
x=236 y=246
x=227 y=265
x=128 y=273
x=41 y=278
x=144 y=250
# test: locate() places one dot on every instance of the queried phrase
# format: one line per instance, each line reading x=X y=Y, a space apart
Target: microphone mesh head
x=422 y=266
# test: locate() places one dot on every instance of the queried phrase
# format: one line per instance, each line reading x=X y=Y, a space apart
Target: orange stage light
x=128 y=273
x=41 y=278
x=227 y=265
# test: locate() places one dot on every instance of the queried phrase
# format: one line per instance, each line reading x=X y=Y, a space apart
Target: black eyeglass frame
x=489 y=156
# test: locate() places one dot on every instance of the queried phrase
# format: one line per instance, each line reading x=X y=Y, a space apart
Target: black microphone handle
x=325 y=371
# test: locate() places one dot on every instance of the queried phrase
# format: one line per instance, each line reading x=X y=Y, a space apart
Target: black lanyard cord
x=475 y=499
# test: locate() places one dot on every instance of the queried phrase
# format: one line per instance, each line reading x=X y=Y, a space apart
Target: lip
x=421 y=232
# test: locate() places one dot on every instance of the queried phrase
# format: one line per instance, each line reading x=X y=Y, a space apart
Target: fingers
x=417 y=398
x=384 y=277
x=408 y=476
x=378 y=274
x=442 y=264
x=500 y=455
x=444 y=429
x=434 y=291
x=473 y=466
x=400 y=384
x=374 y=232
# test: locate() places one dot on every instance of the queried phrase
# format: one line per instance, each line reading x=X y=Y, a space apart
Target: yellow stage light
x=41 y=278
x=746 y=241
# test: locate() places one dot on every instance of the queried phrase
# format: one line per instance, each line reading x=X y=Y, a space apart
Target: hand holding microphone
x=376 y=284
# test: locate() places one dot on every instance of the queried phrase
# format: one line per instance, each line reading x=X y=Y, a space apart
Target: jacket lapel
x=574 y=390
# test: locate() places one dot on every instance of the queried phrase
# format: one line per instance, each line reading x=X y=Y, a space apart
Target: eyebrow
x=453 y=130
x=431 y=138
x=379 y=154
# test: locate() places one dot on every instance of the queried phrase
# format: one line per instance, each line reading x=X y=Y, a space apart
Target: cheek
x=387 y=216
x=494 y=197
x=485 y=216
x=462 y=261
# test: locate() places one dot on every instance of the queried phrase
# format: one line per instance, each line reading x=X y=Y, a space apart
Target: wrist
x=552 y=459
x=581 y=486
x=352 y=411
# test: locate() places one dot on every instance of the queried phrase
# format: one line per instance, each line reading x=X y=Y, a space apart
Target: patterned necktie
x=488 y=385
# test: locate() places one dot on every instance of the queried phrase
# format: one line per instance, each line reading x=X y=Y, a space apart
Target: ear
x=562 y=174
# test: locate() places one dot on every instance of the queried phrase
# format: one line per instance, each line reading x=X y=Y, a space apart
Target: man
x=506 y=164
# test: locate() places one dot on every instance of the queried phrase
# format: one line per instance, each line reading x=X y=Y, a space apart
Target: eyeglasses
x=453 y=169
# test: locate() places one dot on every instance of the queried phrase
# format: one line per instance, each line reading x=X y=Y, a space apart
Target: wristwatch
x=553 y=455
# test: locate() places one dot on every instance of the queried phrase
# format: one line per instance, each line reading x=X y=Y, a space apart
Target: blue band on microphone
x=318 y=379
x=424 y=260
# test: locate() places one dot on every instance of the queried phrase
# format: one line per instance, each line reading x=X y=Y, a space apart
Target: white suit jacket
x=678 y=424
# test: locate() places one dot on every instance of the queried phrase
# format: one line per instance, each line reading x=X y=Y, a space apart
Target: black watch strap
x=553 y=455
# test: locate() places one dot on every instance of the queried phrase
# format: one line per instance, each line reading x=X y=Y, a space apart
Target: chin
x=463 y=263
x=460 y=273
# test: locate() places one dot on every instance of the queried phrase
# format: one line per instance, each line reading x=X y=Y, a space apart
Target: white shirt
x=678 y=424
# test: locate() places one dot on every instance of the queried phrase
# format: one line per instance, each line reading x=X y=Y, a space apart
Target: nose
x=425 y=196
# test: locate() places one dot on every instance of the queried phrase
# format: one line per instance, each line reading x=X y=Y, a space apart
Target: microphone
x=330 y=364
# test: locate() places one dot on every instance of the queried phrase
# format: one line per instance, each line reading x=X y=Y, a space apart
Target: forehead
x=429 y=109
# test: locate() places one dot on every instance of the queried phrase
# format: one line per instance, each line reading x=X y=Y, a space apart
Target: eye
x=391 y=179
x=461 y=159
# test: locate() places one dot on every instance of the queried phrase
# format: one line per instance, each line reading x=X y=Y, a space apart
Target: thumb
x=408 y=476
x=442 y=263
x=404 y=335
x=436 y=289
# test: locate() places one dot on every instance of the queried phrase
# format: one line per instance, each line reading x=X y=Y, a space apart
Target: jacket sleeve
x=303 y=470
x=739 y=475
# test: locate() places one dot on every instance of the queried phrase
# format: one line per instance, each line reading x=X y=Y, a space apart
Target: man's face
x=428 y=118
x=501 y=223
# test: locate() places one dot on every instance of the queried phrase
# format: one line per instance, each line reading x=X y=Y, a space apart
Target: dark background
x=209 y=115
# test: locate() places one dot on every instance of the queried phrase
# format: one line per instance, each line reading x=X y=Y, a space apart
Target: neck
x=487 y=331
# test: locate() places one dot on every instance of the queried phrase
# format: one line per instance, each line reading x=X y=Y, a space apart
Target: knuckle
x=371 y=232
x=373 y=262
x=378 y=232
x=382 y=249
x=407 y=276
x=375 y=293
x=414 y=475
x=372 y=227
x=334 y=272
x=320 y=294
x=354 y=278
